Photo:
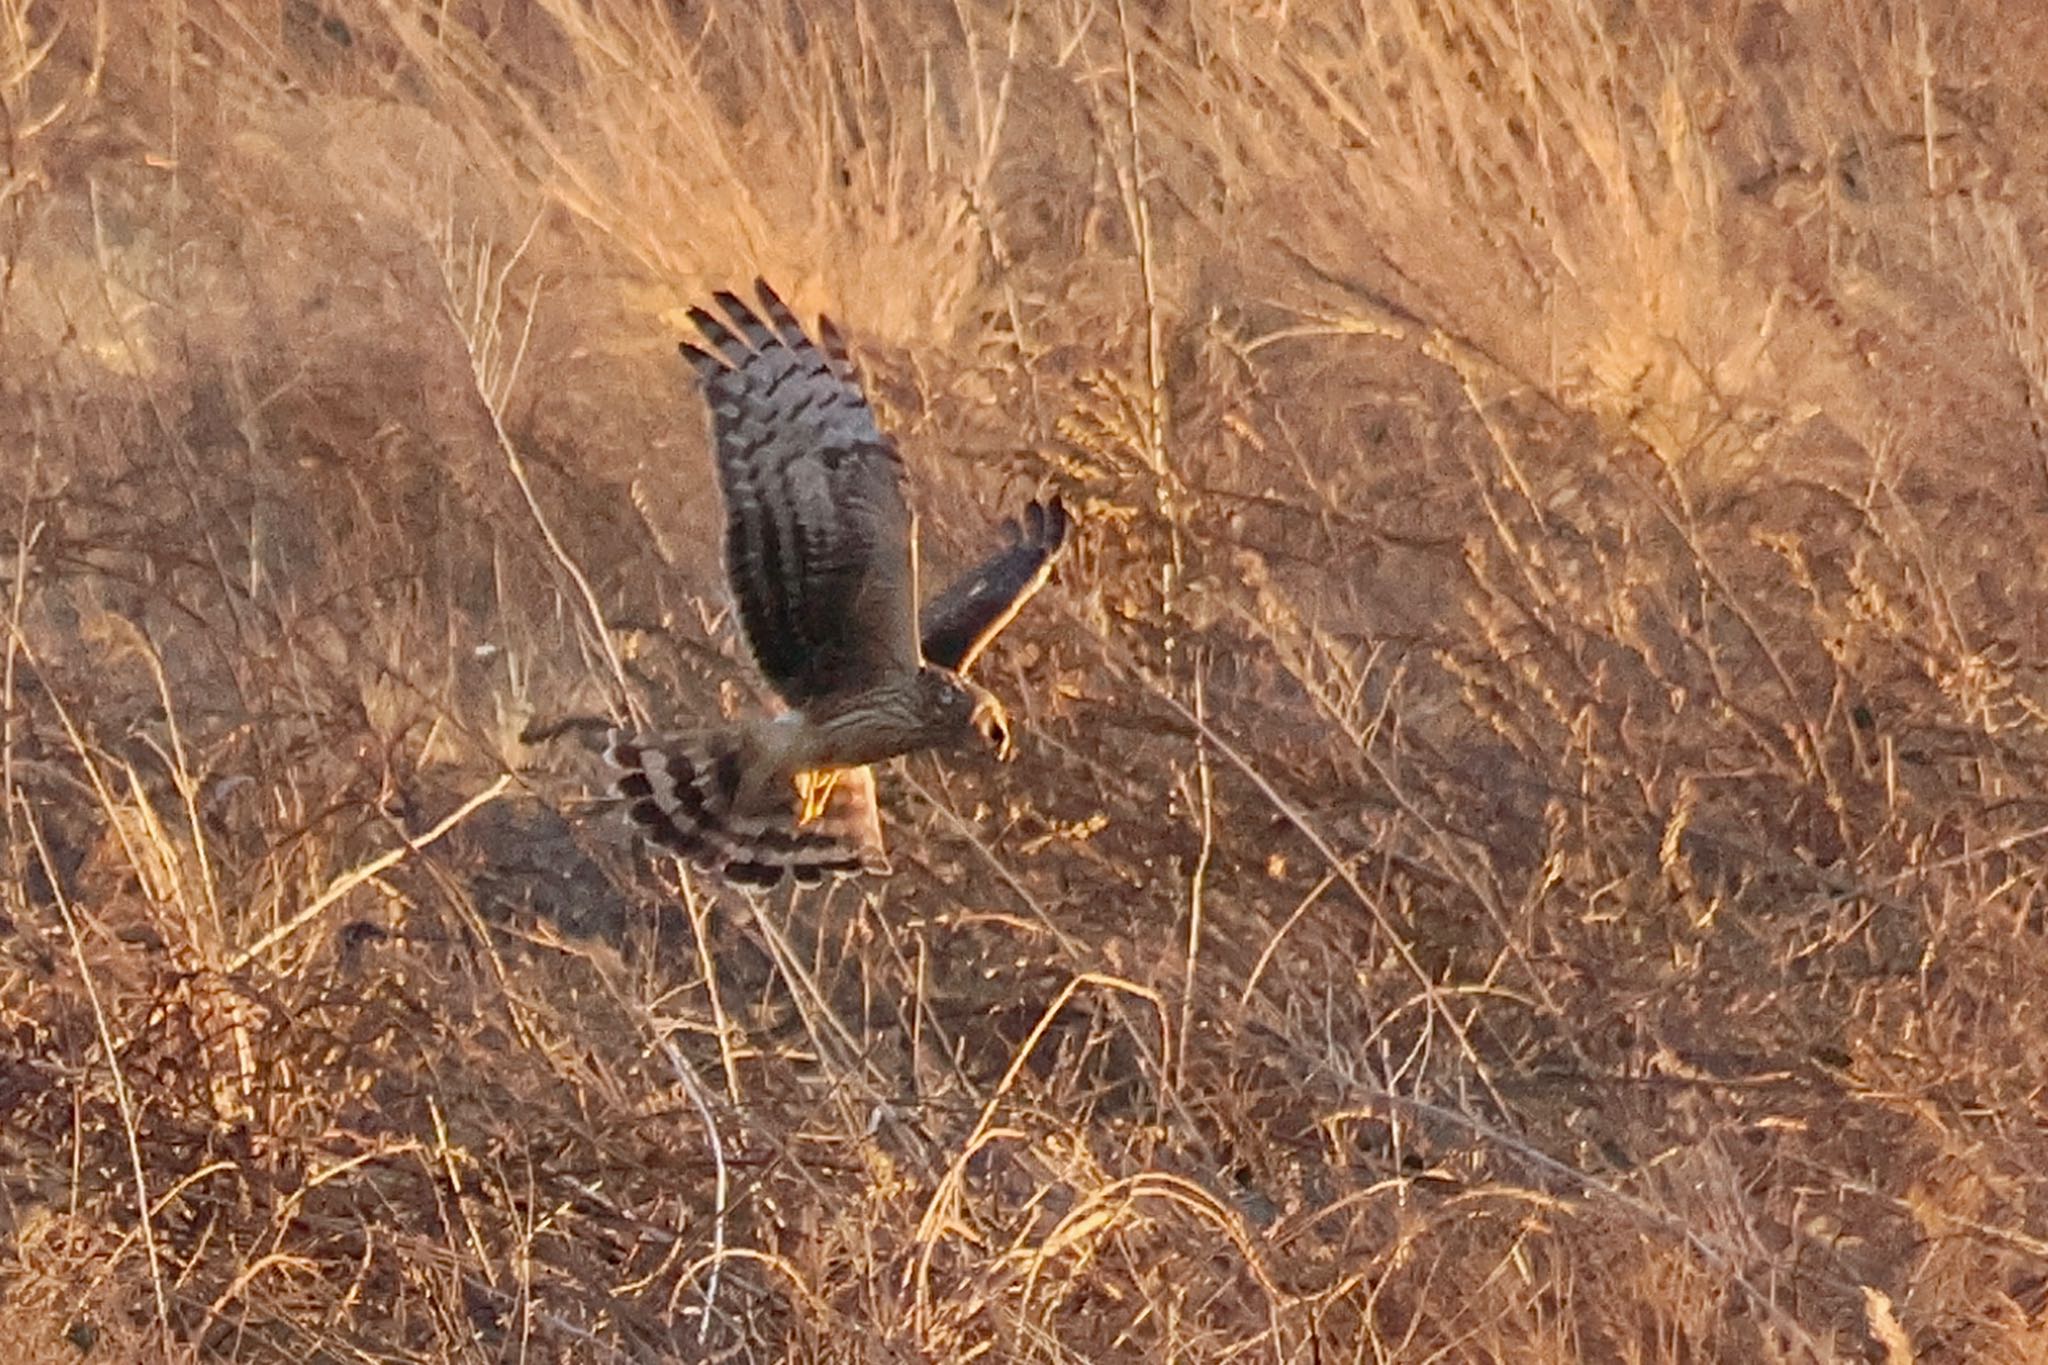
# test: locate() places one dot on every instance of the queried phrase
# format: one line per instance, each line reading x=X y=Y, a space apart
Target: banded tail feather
x=820 y=555
x=683 y=791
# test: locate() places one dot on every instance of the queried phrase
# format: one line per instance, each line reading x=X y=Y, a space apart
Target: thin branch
x=355 y=877
x=122 y=1098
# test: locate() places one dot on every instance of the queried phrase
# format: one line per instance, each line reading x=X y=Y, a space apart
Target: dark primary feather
x=958 y=624
x=819 y=535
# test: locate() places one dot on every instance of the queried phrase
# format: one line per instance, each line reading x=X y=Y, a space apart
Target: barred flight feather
x=683 y=793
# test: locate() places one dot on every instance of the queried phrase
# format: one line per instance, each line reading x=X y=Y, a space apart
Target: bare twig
x=122 y=1097
x=364 y=872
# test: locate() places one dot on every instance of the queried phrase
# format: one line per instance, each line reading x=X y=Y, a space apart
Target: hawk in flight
x=821 y=553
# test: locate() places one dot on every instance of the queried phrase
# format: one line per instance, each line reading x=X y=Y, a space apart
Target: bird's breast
x=872 y=730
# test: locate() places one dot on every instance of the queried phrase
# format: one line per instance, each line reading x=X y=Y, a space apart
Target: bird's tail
x=683 y=792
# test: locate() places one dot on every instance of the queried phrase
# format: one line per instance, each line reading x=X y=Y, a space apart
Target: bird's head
x=969 y=713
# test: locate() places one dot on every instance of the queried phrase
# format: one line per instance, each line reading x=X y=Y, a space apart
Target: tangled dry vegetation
x=1528 y=841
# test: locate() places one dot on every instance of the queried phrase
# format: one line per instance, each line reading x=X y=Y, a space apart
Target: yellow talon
x=814 y=790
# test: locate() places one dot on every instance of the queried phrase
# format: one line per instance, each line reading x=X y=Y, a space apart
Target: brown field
x=1526 y=845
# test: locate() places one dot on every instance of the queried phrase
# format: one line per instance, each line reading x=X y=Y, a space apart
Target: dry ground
x=1527 y=845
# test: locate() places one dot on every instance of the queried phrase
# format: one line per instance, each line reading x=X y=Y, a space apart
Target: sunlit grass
x=1526 y=841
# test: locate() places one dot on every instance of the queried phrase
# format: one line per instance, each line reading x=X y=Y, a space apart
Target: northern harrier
x=821 y=552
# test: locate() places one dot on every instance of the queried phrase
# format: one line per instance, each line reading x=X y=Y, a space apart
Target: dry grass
x=1528 y=843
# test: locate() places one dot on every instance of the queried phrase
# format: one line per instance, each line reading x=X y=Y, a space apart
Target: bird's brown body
x=820 y=550
x=870 y=727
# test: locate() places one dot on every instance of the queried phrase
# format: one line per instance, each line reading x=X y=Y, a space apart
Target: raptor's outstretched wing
x=819 y=541
x=958 y=624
